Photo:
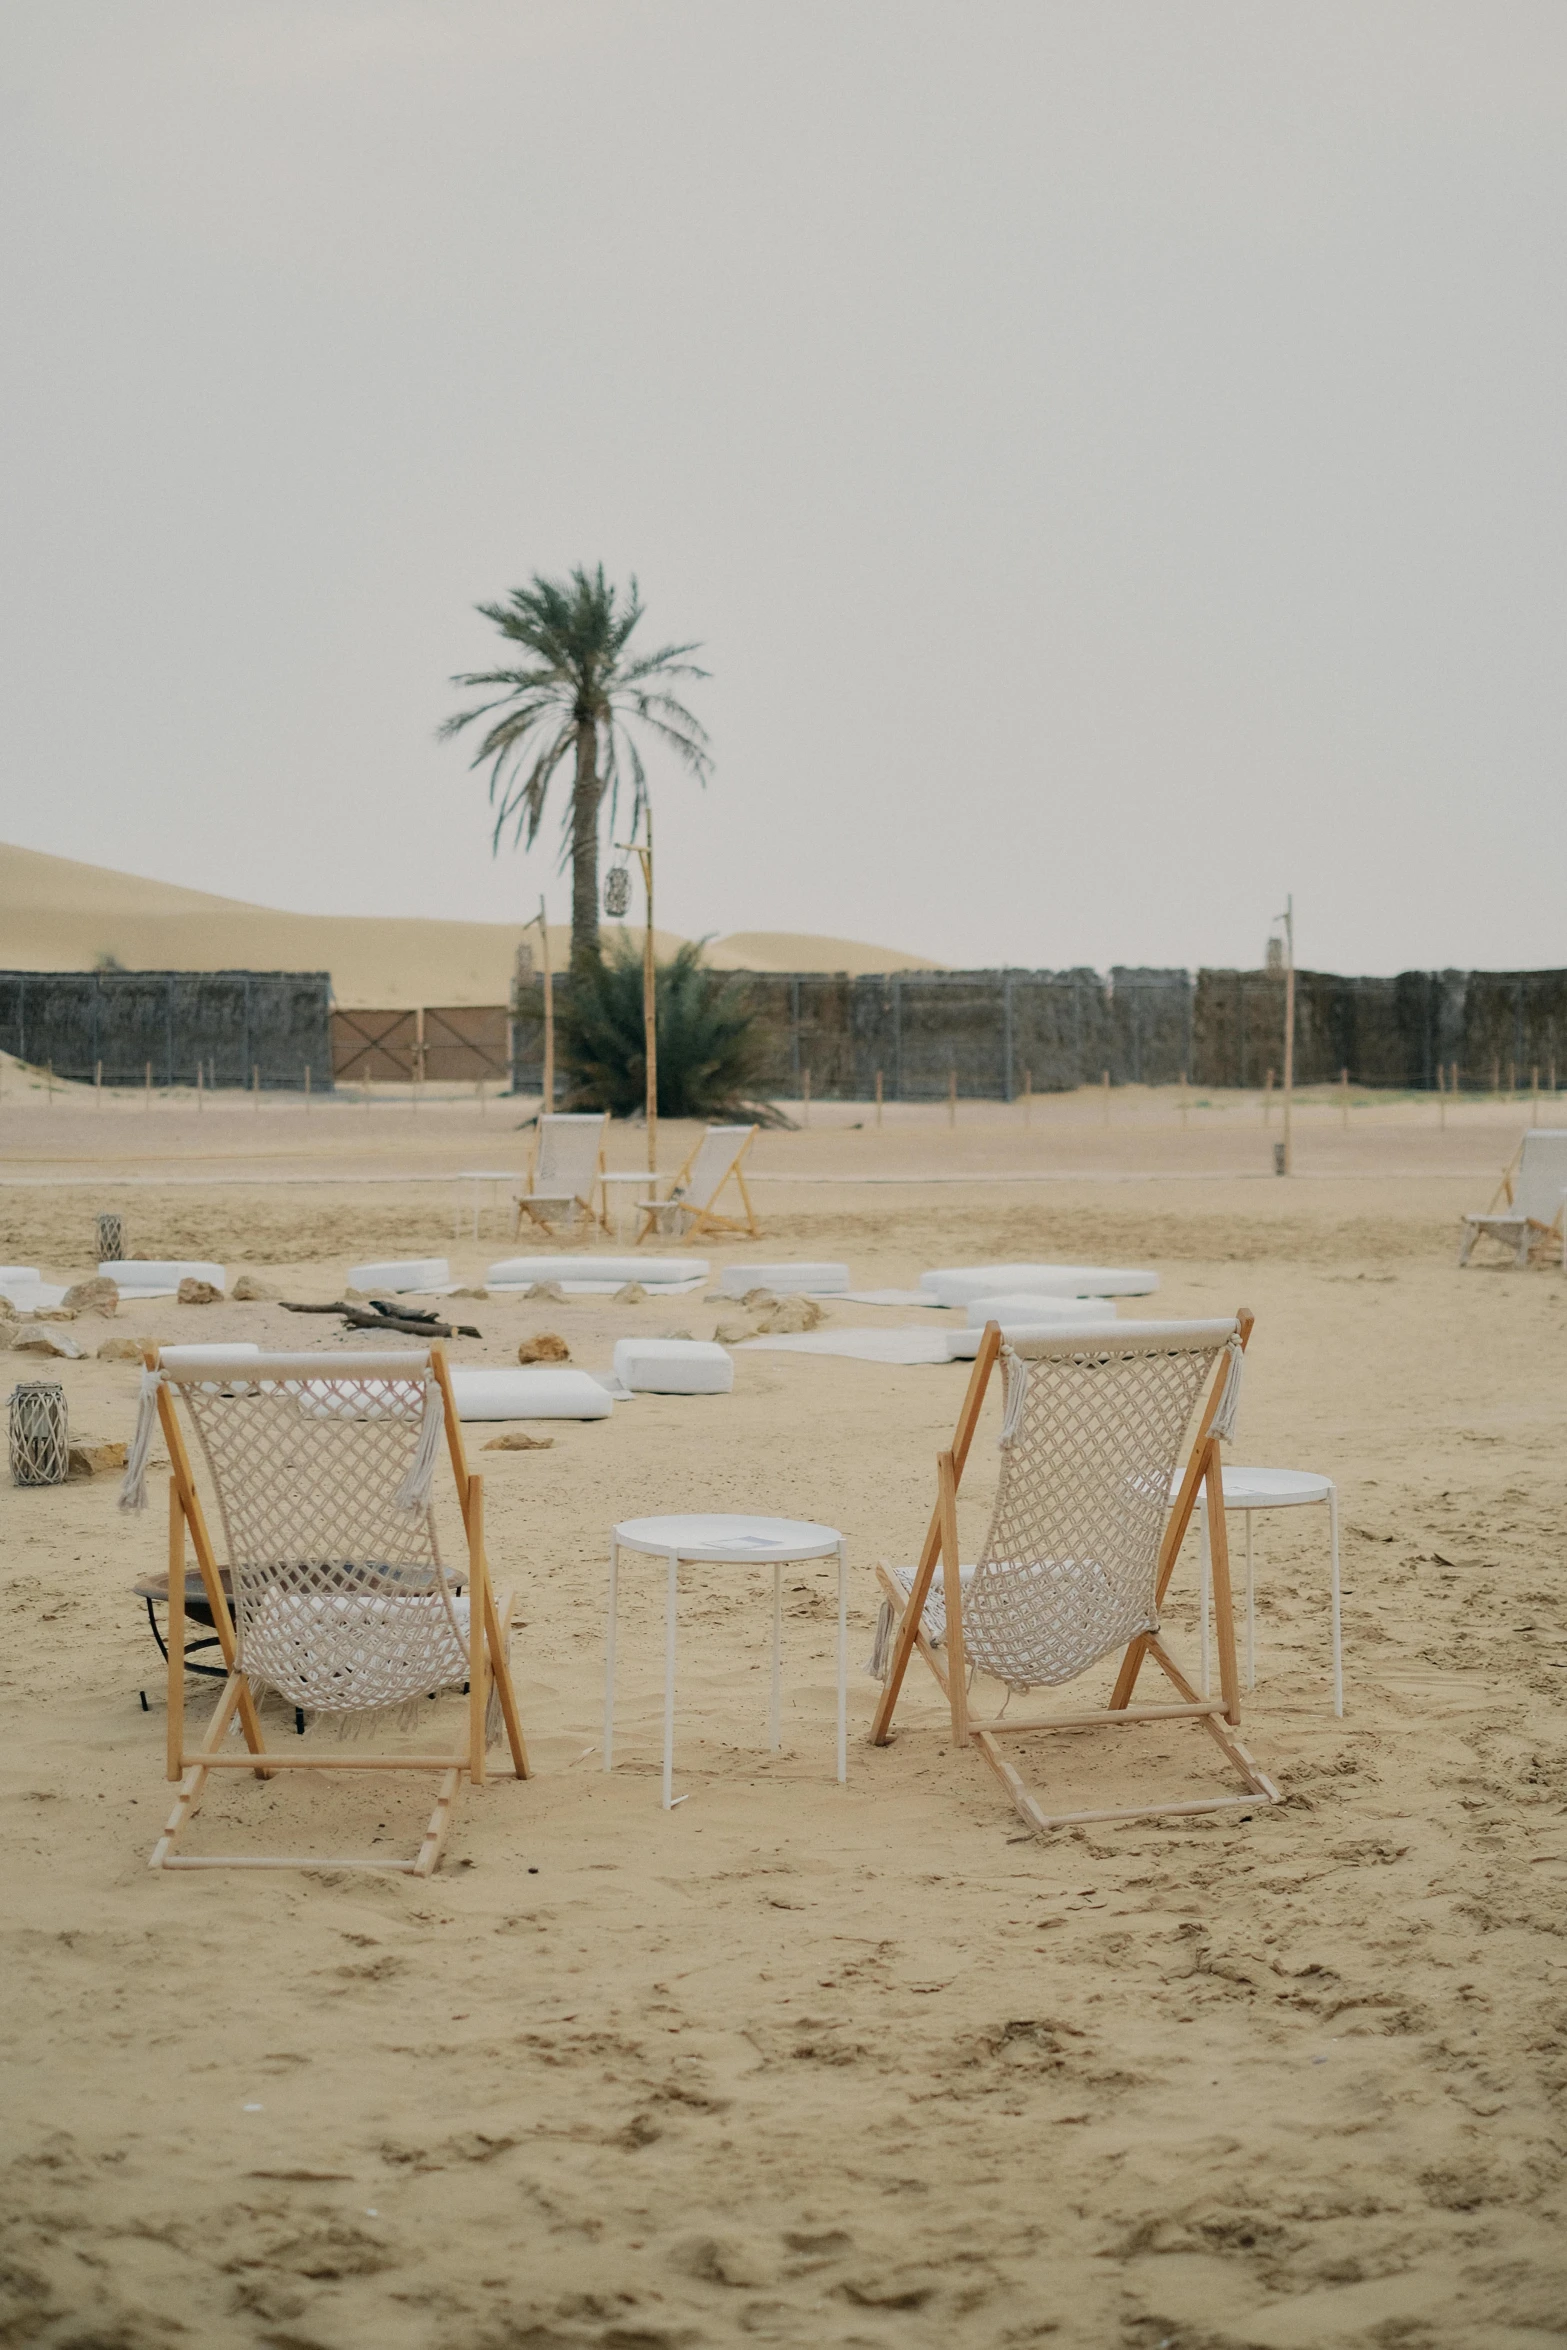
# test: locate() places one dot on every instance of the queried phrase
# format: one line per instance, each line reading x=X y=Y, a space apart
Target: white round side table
x=1272 y=1489
x=721 y=1538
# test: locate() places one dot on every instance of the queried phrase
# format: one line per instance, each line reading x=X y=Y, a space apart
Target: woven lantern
x=111 y=1240
x=40 y=1434
x=617 y=890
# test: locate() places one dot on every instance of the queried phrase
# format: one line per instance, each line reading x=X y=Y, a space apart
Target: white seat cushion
x=955 y=1285
x=585 y=1266
x=158 y=1277
x=796 y=1280
x=1035 y=1307
x=673 y=1366
x=529 y=1394
x=410 y=1274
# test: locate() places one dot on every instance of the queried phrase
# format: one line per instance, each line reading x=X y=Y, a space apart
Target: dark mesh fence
x=998 y=1032
x=230 y=1023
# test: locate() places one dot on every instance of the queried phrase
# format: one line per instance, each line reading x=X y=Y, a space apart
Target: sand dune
x=59 y=915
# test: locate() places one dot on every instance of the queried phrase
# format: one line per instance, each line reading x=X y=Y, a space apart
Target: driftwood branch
x=408 y=1321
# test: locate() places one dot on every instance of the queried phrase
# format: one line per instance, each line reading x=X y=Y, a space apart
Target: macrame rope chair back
x=1092 y=1434
x=341 y=1603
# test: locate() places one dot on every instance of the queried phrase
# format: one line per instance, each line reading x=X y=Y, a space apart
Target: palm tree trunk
x=585 y=797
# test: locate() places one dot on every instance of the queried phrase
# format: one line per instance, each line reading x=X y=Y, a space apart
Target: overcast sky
x=1112 y=453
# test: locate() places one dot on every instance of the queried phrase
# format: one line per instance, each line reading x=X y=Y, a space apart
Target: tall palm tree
x=572 y=697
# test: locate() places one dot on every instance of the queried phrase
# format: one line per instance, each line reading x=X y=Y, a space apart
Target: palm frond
x=578 y=675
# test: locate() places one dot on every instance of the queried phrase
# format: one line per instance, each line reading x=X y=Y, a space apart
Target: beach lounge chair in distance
x=689 y=1211
x=321 y=1466
x=1082 y=1545
x=566 y=1169
x=1526 y=1213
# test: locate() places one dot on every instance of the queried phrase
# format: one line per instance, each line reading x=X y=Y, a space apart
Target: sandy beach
x=795 y=2063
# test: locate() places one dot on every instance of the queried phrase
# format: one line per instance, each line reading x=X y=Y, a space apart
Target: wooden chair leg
x=478 y=1601
x=175 y=1763
x=1223 y=1603
x=952 y=1588
x=497 y=1632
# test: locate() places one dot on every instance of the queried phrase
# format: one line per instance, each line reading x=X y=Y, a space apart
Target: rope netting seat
x=1089 y=1444
x=322 y=1472
x=1082 y=1540
x=341 y=1604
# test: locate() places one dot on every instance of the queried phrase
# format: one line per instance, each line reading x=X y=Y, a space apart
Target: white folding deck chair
x=1526 y=1214
x=1082 y=1543
x=689 y=1211
x=321 y=1467
x=566 y=1169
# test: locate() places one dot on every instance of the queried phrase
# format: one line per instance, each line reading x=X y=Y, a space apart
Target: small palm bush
x=709 y=1046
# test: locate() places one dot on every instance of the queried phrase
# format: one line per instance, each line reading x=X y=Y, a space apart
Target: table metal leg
x=609 y=1657
x=1338 y=1623
x=1251 y=1610
x=669 y=1683
x=1204 y=1550
x=775 y=1701
x=843 y=1665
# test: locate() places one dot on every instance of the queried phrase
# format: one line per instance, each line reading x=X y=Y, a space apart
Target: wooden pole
x=548 y=1089
x=878 y=1097
x=1289 y=1031
x=650 y=997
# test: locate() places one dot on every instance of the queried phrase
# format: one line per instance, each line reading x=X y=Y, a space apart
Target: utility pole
x=542 y=919
x=1288 y=920
x=643 y=852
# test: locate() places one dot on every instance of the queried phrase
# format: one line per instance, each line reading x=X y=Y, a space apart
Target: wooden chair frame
x=705 y=1220
x=489 y=1620
x=528 y=1205
x=1221 y=1719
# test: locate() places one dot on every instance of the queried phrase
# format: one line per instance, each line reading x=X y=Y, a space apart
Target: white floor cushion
x=797 y=1280
x=963 y=1345
x=585 y=1267
x=956 y=1285
x=159 y=1276
x=541 y=1394
x=1034 y=1306
x=409 y=1276
x=673 y=1366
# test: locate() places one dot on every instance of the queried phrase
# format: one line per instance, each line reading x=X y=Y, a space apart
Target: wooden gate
x=450 y=1044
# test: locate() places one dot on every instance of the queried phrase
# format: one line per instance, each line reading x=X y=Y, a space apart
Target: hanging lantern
x=617 y=891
